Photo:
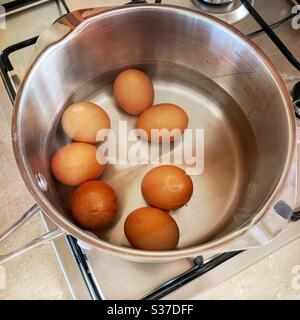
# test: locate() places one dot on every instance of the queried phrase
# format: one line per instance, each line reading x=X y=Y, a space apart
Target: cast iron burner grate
x=200 y=266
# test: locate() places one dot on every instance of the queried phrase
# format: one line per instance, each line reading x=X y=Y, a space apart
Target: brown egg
x=167 y=187
x=83 y=120
x=161 y=117
x=76 y=163
x=94 y=205
x=151 y=229
x=133 y=91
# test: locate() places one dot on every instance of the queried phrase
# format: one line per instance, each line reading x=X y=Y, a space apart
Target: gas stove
x=91 y=274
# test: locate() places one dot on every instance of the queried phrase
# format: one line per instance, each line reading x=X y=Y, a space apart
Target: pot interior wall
x=196 y=63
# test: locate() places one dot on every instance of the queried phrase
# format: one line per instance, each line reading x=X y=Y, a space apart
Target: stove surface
x=119 y=279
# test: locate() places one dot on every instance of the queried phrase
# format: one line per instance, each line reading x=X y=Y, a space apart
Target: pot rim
x=127 y=252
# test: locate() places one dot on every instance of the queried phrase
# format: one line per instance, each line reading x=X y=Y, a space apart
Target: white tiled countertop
x=36 y=275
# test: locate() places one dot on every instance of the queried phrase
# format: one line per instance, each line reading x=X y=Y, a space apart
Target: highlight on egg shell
x=75 y=163
x=133 y=91
x=162 y=123
x=82 y=121
x=151 y=229
x=94 y=205
x=167 y=187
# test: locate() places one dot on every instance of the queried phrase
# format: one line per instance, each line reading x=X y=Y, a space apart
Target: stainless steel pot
x=218 y=2
x=246 y=193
